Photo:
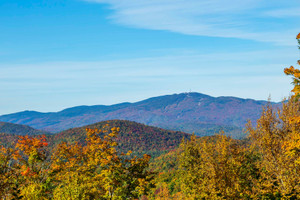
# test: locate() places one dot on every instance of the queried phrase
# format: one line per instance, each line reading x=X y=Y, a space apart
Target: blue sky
x=62 y=53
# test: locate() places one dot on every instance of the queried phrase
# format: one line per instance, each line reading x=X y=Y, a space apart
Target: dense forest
x=138 y=138
x=17 y=129
x=94 y=163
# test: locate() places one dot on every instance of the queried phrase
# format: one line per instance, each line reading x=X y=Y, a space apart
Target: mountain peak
x=188 y=112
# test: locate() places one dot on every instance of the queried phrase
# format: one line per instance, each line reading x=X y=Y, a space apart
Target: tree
x=33 y=167
x=95 y=170
x=295 y=73
x=100 y=171
x=276 y=138
x=272 y=136
x=8 y=174
x=216 y=168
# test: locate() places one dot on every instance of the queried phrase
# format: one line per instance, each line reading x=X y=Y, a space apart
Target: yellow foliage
x=100 y=171
x=215 y=169
x=295 y=73
x=33 y=191
x=276 y=138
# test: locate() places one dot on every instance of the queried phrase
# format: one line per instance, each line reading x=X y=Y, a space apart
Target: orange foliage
x=295 y=73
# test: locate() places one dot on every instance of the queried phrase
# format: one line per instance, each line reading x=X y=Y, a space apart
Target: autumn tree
x=276 y=138
x=293 y=146
x=216 y=168
x=95 y=170
x=272 y=136
x=8 y=175
x=98 y=171
x=295 y=73
x=33 y=167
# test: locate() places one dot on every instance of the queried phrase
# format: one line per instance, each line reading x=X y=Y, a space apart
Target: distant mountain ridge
x=188 y=112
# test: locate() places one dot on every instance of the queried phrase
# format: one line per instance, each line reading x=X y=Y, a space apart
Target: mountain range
x=188 y=112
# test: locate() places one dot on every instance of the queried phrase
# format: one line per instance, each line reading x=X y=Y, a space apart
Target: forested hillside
x=9 y=132
x=18 y=129
x=96 y=170
x=133 y=136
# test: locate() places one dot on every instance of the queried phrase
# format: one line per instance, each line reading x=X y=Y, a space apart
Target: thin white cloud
x=57 y=85
x=201 y=71
x=284 y=13
x=247 y=19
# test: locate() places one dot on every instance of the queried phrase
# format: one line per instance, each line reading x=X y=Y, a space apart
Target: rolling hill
x=133 y=136
x=188 y=112
x=9 y=132
x=18 y=129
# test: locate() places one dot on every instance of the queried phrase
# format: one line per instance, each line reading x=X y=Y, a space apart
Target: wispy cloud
x=57 y=85
x=284 y=13
x=247 y=19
